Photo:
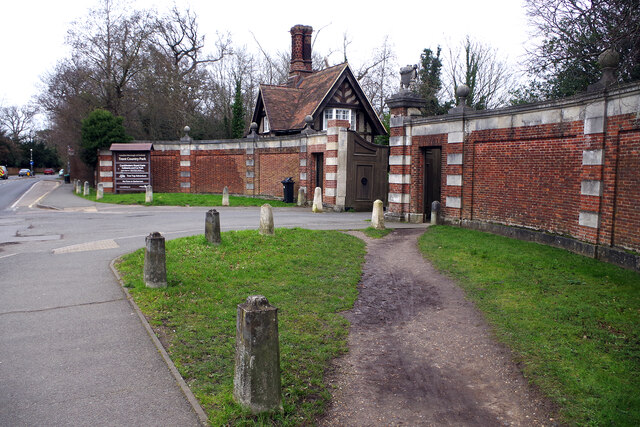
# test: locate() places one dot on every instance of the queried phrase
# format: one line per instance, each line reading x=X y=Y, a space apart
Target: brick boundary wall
x=252 y=167
x=568 y=167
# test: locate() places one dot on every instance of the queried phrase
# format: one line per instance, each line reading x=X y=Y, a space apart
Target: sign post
x=131 y=167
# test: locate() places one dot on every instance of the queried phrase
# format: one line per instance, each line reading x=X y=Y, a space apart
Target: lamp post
x=31 y=162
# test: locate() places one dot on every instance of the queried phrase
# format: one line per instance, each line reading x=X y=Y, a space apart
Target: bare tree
x=17 y=121
x=378 y=77
x=110 y=45
x=477 y=65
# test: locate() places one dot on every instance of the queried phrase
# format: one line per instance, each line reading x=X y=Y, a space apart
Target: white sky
x=33 y=31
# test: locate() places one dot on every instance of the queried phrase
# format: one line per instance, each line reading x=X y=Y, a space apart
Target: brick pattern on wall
x=627 y=206
x=165 y=172
x=213 y=170
x=275 y=167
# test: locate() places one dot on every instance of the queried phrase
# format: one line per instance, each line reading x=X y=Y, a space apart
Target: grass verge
x=573 y=322
x=375 y=233
x=182 y=199
x=196 y=315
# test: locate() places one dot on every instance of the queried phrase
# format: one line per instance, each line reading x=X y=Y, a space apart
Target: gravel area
x=421 y=354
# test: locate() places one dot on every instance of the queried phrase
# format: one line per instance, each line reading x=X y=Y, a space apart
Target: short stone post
x=377 y=216
x=266 y=220
x=212 y=227
x=225 y=196
x=77 y=184
x=302 y=197
x=317 y=200
x=256 y=381
x=148 y=194
x=86 y=188
x=435 y=209
x=100 y=191
x=155 y=267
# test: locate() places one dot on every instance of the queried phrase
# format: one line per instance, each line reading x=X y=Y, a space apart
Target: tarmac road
x=72 y=349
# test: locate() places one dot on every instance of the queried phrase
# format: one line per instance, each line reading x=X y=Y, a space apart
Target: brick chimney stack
x=300 y=52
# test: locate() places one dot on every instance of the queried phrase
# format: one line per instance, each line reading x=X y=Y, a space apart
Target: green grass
x=573 y=322
x=182 y=199
x=298 y=272
x=376 y=234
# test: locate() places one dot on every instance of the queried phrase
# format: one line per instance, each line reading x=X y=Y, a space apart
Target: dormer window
x=339 y=114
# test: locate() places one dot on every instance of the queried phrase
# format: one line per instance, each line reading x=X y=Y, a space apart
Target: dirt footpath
x=421 y=354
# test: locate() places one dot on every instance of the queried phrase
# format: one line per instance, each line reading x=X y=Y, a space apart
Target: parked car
x=49 y=171
x=4 y=173
x=24 y=172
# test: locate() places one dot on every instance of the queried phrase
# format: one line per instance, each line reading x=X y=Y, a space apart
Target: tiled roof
x=287 y=107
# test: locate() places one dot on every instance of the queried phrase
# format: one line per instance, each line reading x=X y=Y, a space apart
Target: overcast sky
x=33 y=31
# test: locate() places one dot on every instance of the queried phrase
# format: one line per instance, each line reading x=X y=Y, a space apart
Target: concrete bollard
x=377 y=215
x=256 y=381
x=155 y=267
x=86 y=188
x=100 y=191
x=266 y=220
x=212 y=227
x=225 y=196
x=302 y=197
x=435 y=210
x=148 y=194
x=317 y=201
x=78 y=186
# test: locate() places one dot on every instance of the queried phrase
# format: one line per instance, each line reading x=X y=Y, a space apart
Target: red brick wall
x=273 y=167
x=211 y=171
x=626 y=231
x=165 y=171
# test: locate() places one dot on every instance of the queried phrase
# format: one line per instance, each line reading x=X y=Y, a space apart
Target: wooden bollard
x=256 y=381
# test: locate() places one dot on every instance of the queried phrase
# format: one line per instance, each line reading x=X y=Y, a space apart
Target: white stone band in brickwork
x=303 y=176
x=249 y=162
x=249 y=186
x=592 y=157
x=331 y=176
x=453 y=202
x=399 y=179
x=329 y=192
x=331 y=161
x=399 y=198
x=303 y=162
x=332 y=145
x=106 y=174
x=594 y=118
x=455 y=137
x=250 y=174
x=185 y=151
x=106 y=163
x=591 y=188
x=107 y=184
x=589 y=219
x=454 y=180
x=454 y=159
x=186 y=163
x=395 y=141
x=399 y=160
x=185 y=184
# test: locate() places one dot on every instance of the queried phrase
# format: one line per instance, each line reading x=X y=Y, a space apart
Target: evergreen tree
x=237 y=121
x=99 y=130
x=430 y=83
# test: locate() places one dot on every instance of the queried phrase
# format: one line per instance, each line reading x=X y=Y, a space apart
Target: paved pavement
x=72 y=349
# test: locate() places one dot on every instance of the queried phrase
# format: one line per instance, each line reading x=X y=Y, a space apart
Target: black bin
x=67 y=179
x=287 y=189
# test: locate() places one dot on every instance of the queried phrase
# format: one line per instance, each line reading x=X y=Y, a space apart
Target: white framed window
x=265 y=125
x=339 y=114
